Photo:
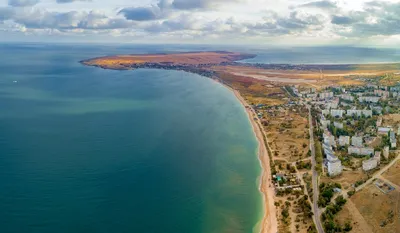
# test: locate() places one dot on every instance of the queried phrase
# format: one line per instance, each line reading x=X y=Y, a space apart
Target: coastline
x=269 y=223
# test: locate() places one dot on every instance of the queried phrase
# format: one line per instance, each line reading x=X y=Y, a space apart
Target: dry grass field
x=393 y=174
x=287 y=133
x=346 y=179
x=380 y=211
x=392 y=120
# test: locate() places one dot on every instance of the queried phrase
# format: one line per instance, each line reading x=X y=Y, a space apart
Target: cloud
x=376 y=19
x=320 y=4
x=69 y=1
x=142 y=13
x=198 y=4
x=6 y=13
x=22 y=3
x=41 y=19
x=342 y=20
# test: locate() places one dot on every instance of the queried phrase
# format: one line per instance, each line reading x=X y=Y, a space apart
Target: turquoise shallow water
x=89 y=150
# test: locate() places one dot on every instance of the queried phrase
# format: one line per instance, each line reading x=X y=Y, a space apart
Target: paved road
x=317 y=214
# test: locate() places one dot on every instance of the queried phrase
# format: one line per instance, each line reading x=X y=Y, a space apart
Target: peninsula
x=287 y=105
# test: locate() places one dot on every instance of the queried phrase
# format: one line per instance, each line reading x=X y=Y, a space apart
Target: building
x=360 y=150
x=329 y=139
x=357 y=141
x=325 y=112
x=369 y=99
x=325 y=123
x=369 y=164
x=379 y=122
x=335 y=167
x=386 y=152
x=338 y=125
x=359 y=113
x=377 y=156
x=337 y=113
x=347 y=97
x=384 y=130
x=367 y=151
x=326 y=95
x=393 y=141
x=344 y=140
x=333 y=163
x=381 y=93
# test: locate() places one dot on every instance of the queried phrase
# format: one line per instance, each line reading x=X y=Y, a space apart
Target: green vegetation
x=326 y=193
x=328 y=217
x=303 y=165
x=318 y=155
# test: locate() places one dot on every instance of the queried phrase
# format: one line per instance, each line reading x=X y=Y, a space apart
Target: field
x=346 y=179
x=288 y=134
x=392 y=120
x=380 y=211
x=393 y=174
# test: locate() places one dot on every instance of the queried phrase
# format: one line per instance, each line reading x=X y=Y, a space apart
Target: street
x=317 y=214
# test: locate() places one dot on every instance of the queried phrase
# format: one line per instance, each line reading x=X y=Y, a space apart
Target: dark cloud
x=142 y=13
x=69 y=1
x=190 y=4
x=320 y=4
x=297 y=21
x=198 y=4
x=342 y=20
x=377 y=18
x=6 y=13
x=22 y=3
x=39 y=19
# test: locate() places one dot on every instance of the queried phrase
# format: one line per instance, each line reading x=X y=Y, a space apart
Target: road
x=317 y=214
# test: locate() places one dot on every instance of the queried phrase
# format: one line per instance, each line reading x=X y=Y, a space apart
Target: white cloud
x=239 y=21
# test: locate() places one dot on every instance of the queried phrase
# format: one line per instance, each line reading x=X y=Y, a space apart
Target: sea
x=84 y=149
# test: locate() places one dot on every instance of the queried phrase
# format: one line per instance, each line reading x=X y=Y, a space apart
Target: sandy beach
x=269 y=222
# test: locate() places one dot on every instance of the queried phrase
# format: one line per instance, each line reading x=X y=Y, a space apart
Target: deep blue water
x=89 y=150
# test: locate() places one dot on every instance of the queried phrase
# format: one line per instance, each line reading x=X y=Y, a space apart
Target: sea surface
x=148 y=151
x=84 y=149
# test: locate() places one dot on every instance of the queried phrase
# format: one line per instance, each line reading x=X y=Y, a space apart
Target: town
x=348 y=134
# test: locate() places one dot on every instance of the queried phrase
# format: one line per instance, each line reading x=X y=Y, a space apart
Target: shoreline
x=269 y=223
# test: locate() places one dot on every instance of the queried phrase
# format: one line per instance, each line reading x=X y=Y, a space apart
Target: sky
x=253 y=22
